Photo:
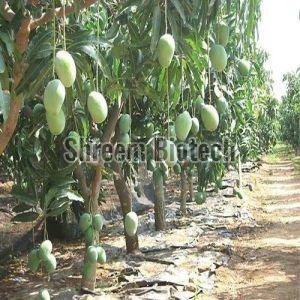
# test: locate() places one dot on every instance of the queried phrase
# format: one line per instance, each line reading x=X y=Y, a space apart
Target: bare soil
x=228 y=248
x=266 y=262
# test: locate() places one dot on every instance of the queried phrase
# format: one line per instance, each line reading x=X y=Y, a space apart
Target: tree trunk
x=125 y=197
x=191 y=188
x=159 y=205
x=89 y=279
x=240 y=183
x=184 y=192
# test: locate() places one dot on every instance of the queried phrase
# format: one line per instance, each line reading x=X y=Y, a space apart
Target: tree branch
x=6 y=11
x=48 y=16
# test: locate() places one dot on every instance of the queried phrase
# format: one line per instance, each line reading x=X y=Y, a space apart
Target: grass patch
x=283 y=151
x=279 y=152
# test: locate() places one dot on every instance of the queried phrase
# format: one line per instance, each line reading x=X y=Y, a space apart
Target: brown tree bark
x=184 y=192
x=191 y=187
x=159 y=204
x=125 y=197
x=22 y=39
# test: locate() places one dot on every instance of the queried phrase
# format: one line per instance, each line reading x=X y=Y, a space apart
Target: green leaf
x=104 y=67
x=59 y=210
x=8 y=42
x=156 y=22
x=25 y=217
x=24 y=197
x=2 y=63
x=21 y=208
x=180 y=10
x=4 y=104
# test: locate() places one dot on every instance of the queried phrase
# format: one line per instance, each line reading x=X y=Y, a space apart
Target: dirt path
x=266 y=261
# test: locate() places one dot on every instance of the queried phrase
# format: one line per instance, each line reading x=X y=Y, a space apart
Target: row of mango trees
x=122 y=72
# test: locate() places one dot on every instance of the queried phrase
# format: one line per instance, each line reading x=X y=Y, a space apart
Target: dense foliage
x=290 y=111
x=214 y=90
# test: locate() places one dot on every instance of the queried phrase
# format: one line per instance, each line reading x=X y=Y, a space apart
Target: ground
x=228 y=248
x=266 y=262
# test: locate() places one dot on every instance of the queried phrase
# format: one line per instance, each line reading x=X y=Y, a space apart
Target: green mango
x=56 y=123
x=222 y=33
x=124 y=139
x=165 y=50
x=43 y=295
x=88 y=270
x=54 y=96
x=195 y=126
x=177 y=169
x=151 y=165
x=89 y=236
x=210 y=117
x=92 y=254
x=97 y=107
x=170 y=153
x=101 y=255
x=98 y=222
x=50 y=263
x=125 y=123
x=198 y=103
x=218 y=57
x=244 y=67
x=200 y=197
x=85 y=222
x=34 y=260
x=45 y=249
x=183 y=125
x=38 y=110
x=149 y=129
x=65 y=68
x=131 y=223
x=222 y=105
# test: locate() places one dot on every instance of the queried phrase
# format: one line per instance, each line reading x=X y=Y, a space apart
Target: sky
x=279 y=35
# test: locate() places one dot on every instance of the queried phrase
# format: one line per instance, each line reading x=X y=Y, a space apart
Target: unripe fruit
x=85 y=222
x=34 y=260
x=124 y=140
x=54 y=96
x=222 y=33
x=92 y=254
x=177 y=169
x=56 y=123
x=210 y=117
x=165 y=50
x=170 y=153
x=200 y=197
x=65 y=68
x=218 y=57
x=45 y=249
x=149 y=129
x=88 y=270
x=97 y=107
x=101 y=255
x=244 y=67
x=98 y=222
x=131 y=223
x=124 y=123
x=183 y=125
x=195 y=126
x=50 y=263
x=43 y=295
x=89 y=236
x=222 y=105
